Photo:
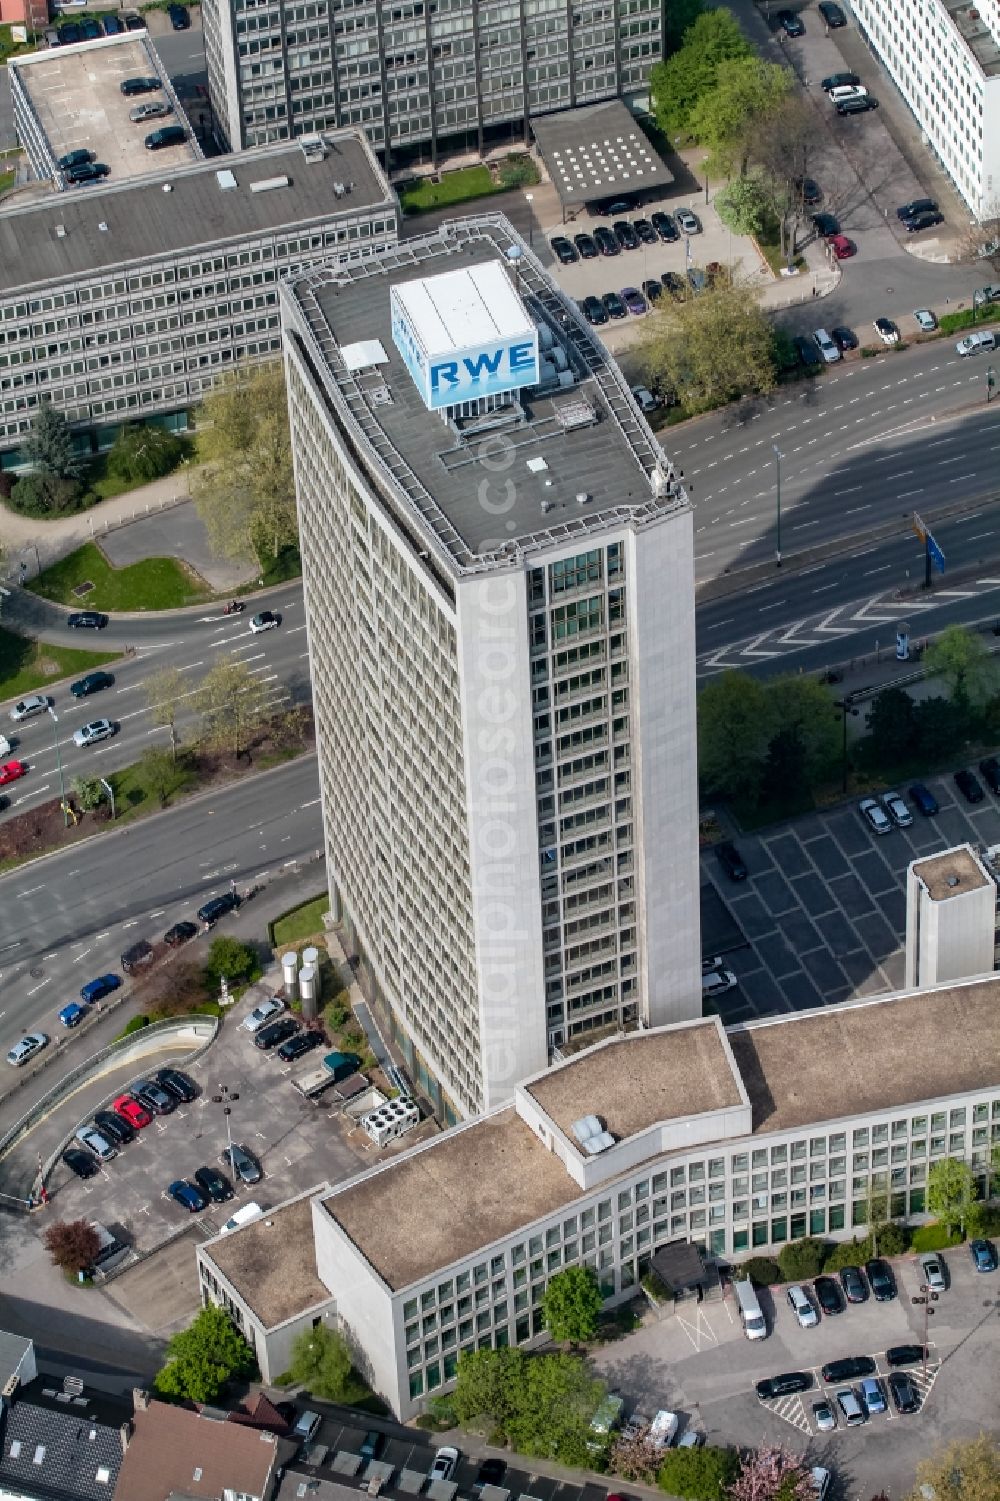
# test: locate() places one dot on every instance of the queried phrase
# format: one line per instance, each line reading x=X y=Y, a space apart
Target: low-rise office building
x=128 y=300
x=737 y=1140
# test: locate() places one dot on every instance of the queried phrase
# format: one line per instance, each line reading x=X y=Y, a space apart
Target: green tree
x=204 y=1358
x=490 y=1383
x=966 y=1470
x=800 y=1260
x=141 y=454
x=572 y=1304
x=763 y=1271
x=892 y=727
x=951 y=1192
x=806 y=732
x=681 y=15
x=746 y=206
x=698 y=1474
x=166 y=689
x=88 y=792
x=940 y=726
x=558 y=1400
x=49 y=445
x=733 y=735
x=231 y=702
x=158 y=772
x=321 y=1362
x=747 y=89
x=44 y=495
x=72 y=1244
x=710 y=349
x=959 y=657
x=229 y=957
x=518 y=171
x=245 y=493
x=782 y=144
x=691 y=72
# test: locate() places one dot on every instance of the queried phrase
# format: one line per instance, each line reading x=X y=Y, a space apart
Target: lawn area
x=26 y=665
x=6 y=181
x=287 y=565
x=454 y=187
x=153 y=584
x=302 y=922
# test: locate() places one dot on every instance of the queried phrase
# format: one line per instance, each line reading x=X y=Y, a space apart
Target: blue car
x=925 y=800
x=97 y=989
x=984 y=1255
x=72 y=1015
x=187 y=1195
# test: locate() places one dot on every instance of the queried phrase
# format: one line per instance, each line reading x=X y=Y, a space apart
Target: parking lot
x=698 y=1363
x=297 y=1142
x=822 y=915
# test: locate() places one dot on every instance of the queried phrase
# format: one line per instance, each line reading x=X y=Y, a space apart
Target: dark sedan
x=673 y=283
x=214 y=1184
x=190 y=1198
x=914 y=207
x=924 y=799
x=80 y=1163
x=883 y=1283
x=898 y=1355
x=828 y=1296
x=811 y=191
x=731 y=860
x=665 y=227
x=176 y=1083
x=181 y=932
x=564 y=251
x=92 y=683
x=968 y=786
x=274 y=1033
x=851 y=1368
x=645 y=231
x=844 y=338
x=989 y=770
x=86 y=620
x=652 y=291
x=790 y=23
x=614 y=305
x=297 y=1046
x=586 y=246
x=905 y=1395
x=984 y=1255
x=156 y=1099
x=922 y=221
x=625 y=234
x=594 y=310
x=76 y=158
x=784 y=1385
x=853 y=1284
x=605 y=241
x=115 y=1127
x=87 y=172
x=826 y=224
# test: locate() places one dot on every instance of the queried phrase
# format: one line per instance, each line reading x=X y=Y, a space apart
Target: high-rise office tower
x=421 y=74
x=499 y=597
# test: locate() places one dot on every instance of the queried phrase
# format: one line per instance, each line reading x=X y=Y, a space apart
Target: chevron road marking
x=790 y=1410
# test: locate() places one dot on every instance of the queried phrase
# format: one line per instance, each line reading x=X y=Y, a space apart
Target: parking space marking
x=700 y=1333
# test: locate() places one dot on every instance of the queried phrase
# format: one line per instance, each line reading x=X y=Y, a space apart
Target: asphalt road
x=69 y=916
x=192 y=641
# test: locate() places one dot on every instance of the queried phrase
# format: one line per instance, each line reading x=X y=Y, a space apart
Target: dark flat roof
x=144 y=220
x=598 y=151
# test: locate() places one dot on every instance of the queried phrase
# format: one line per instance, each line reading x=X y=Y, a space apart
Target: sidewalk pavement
x=40 y=543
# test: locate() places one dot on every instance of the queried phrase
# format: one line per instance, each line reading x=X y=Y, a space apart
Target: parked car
x=897 y=810
x=180 y=18
x=840 y=81
x=652 y=290
x=826 y=225
x=824 y=1416
x=176 y=1083
x=922 y=221
x=801 y=1307
x=12 y=771
x=807 y=352
x=857 y=106
x=69 y=33
x=30 y=1044
x=810 y=189
x=644 y=229
x=905 y=1392
x=218 y=907
x=880 y=1279
x=167 y=135
x=80 y=1163
x=664 y=226
x=72 y=1015
x=96 y=990
x=842 y=247
x=613 y=304
x=115 y=1127
x=924 y=800
x=266 y=620
x=731 y=860
x=181 y=932
x=926 y=321
x=490 y=1472
x=27 y=708
x=275 y=1032
x=832 y=14
x=688 y=221
x=131 y=86
x=983 y=1253
x=265 y=1012
x=850 y=1406
x=586 y=246
x=874 y=815
x=844 y=338
x=134 y=22
x=137 y=957
x=303 y=1042
x=96 y=730
x=94 y=1140
x=92 y=683
x=213 y=1184
x=606 y=242
x=932 y=1269
x=155 y=109
x=976 y=343
x=968 y=786
x=86 y=620
x=372 y=1444
x=915 y=208
x=243 y=1163
x=594 y=311
x=989 y=770
x=673 y=283
x=91 y=29
x=853 y=1283
x=790 y=23
x=784 y=1385
x=88 y=172
x=634 y=301
x=898 y=1355
x=828 y=1296
x=886 y=330
x=155 y=1098
x=112 y=26
x=697 y=278
x=873 y=1395
x=850 y=1368
x=564 y=250
x=187 y=1195
x=445 y=1462
x=625 y=234
x=130 y=1110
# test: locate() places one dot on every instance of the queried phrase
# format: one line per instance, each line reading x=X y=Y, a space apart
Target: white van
x=751 y=1317
x=243 y=1216
x=973 y=343
x=826 y=346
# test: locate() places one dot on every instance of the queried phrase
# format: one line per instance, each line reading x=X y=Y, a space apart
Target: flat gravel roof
x=272 y=1262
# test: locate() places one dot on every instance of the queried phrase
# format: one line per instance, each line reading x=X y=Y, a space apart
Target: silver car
x=689 y=222
x=265 y=1012
x=30 y=1044
x=897 y=810
x=932 y=1271
x=874 y=815
x=35 y=703
x=802 y=1308
x=90 y=734
x=96 y=1142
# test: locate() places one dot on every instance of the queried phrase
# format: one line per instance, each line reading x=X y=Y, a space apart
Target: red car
x=842 y=247
x=11 y=770
x=130 y=1110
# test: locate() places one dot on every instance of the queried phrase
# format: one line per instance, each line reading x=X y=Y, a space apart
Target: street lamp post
x=925 y=1300
x=227 y=1098
x=845 y=707
x=529 y=198
x=778 y=456
x=62 y=781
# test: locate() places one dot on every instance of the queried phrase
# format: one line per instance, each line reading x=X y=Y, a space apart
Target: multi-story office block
x=461 y=73
x=944 y=57
x=737 y=1141
x=127 y=301
x=498 y=584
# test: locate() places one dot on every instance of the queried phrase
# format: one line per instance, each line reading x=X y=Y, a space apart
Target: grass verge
x=287 y=565
x=302 y=922
x=26 y=665
x=152 y=584
x=455 y=187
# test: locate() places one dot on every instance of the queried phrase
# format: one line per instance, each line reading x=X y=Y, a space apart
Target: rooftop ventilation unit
x=592 y=1136
x=577 y=412
x=226 y=180
x=103 y=227
x=313 y=147
x=341 y=189
x=60 y=231
x=268 y=184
